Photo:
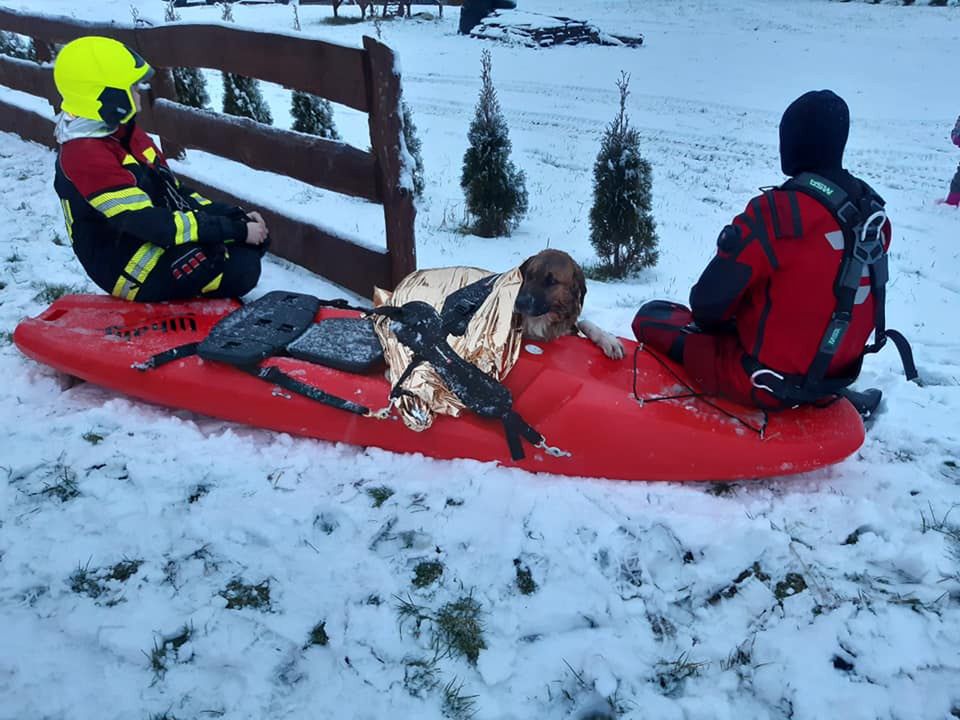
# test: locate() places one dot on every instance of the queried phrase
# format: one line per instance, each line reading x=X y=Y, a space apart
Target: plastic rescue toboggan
x=583 y=403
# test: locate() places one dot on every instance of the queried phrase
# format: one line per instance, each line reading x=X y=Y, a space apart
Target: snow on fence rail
x=365 y=79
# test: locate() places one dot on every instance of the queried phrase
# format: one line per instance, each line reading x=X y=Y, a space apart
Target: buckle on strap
x=551 y=450
x=847 y=213
x=755 y=375
x=868 y=248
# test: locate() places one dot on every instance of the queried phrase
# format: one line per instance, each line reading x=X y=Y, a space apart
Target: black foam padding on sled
x=348 y=344
x=260 y=329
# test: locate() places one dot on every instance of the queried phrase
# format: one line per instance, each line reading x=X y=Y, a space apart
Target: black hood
x=813 y=134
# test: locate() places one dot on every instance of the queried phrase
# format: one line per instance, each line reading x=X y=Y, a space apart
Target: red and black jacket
x=124 y=208
x=773 y=280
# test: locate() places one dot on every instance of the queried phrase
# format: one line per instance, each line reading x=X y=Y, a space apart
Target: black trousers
x=194 y=270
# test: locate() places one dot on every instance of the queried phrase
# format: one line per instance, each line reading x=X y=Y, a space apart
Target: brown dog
x=550 y=300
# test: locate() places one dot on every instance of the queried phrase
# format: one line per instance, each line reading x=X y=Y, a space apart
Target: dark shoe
x=866 y=402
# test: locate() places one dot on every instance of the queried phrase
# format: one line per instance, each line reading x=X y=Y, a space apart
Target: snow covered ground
x=165 y=565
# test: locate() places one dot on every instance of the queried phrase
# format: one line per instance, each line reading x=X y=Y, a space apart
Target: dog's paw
x=611 y=346
x=609 y=343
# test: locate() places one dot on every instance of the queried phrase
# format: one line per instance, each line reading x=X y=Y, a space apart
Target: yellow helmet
x=94 y=75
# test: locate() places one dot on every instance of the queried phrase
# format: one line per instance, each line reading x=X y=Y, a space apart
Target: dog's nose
x=524 y=304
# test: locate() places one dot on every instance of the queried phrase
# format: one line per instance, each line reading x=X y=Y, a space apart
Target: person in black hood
x=813 y=134
x=760 y=316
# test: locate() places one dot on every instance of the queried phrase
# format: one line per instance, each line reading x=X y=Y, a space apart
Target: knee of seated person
x=248 y=276
x=662 y=312
x=242 y=273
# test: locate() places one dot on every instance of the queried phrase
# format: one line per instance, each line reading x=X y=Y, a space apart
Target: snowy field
x=164 y=565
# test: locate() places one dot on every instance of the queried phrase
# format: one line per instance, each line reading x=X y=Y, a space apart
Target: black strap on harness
x=272 y=324
x=861 y=221
x=423 y=331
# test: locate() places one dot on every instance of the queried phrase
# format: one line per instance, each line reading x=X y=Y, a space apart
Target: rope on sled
x=759 y=429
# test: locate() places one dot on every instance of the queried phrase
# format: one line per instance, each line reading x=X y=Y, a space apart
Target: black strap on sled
x=861 y=220
x=167 y=356
x=279 y=378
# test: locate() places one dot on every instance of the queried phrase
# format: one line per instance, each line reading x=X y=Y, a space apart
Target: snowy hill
x=166 y=565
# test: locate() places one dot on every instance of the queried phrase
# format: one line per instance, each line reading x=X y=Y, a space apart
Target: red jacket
x=773 y=280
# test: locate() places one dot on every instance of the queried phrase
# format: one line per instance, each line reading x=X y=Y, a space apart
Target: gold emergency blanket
x=491 y=342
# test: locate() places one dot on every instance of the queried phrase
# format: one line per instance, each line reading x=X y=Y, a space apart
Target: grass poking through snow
x=426 y=572
x=61 y=483
x=791 y=585
x=671 y=676
x=167 y=649
x=95 y=582
x=379 y=495
x=456 y=704
x=525 y=582
x=318 y=635
x=240 y=595
x=459 y=627
x=456 y=629
x=48 y=292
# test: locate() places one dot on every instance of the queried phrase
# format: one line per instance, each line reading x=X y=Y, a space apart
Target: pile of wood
x=535 y=30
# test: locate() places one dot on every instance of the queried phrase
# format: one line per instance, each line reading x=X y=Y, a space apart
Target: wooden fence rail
x=364 y=79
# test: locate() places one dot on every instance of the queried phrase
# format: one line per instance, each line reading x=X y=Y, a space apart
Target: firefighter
x=139 y=233
x=782 y=314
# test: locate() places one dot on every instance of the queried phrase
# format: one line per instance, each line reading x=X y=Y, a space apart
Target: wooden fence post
x=44 y=50
x=386 y=137
x=162 y=86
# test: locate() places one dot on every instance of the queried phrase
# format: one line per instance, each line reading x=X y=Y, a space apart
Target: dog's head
x=553 y=282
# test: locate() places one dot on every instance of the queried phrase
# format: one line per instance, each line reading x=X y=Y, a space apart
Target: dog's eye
x=549 y=280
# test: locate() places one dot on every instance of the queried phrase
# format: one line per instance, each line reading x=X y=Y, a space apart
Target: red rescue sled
x=582 y=402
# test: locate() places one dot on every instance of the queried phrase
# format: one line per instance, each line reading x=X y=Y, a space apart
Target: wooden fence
x=364 y=79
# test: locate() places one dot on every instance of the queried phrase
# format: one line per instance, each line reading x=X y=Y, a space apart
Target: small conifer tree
x=189 y=83
x=241 y=95
x=414 y=147
x=191 y=87
x=622 y=229
x=495 y=190
x=313 y=115
x=15 y=46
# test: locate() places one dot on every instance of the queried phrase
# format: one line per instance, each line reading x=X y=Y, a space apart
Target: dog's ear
x=581 y=282
x=525 y=265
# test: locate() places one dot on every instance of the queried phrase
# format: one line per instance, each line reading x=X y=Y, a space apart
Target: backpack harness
x=862 y=222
